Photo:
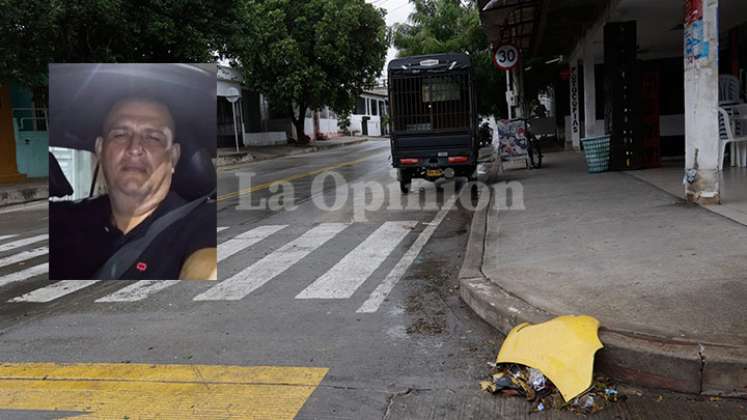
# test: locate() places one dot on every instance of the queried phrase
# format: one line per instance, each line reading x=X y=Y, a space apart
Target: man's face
x=137 y=150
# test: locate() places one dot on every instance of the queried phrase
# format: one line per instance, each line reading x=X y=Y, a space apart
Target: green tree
x=440 y=26
x=37 y=32
x=311 y=53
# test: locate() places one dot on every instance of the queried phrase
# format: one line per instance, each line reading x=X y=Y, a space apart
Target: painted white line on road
x=138 y=291
x=25 y=207
x=378 y=296
x=23 y=256
x=264 y=270
x=245 y=240
x=4 y=237
x=24 y=274
x=54 y=291
x=342 y=280
x=23 y=242
x=222 y=228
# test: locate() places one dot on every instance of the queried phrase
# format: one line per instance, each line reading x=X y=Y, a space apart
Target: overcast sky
x=397 y=11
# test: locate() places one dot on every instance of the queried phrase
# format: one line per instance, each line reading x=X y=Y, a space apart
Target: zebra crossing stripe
x=4 y=237
x=264 y=270
x=23 y=256
x=379 y=294
x=221 y=228
x=24 y=274
x=54 y=291
x=23 y=242
x=342 y=280
x=138 y=291
x=245 y=240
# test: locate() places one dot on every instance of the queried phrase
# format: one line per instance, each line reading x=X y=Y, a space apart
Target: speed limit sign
x=506 y=57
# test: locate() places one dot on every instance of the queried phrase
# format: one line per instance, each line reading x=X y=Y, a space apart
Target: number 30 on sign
x=505 y=57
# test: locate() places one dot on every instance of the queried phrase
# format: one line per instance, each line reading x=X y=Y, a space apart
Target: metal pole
x=508 y=89
x=235 y=129
x=522 y=98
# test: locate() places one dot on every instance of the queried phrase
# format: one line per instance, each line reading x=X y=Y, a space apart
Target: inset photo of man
x=131 y=180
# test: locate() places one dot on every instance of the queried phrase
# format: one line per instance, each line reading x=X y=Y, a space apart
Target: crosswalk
x=256 y=275
x=281 y=248
x=342 y=280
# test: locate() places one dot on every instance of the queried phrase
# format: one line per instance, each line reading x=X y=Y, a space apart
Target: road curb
x=23 y=195
x=224 y=161
x=640 y=359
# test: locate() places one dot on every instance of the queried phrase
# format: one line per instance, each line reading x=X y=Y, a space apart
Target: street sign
x=506 y=57
x=232 y=94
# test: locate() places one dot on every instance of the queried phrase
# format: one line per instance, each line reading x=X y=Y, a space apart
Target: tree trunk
x=317 y=129
x=301 y=137
x=298 y=122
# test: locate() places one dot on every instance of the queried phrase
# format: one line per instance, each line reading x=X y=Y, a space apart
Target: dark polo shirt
x=82 y=238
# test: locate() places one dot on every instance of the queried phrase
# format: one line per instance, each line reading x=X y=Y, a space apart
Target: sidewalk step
x=23 y=192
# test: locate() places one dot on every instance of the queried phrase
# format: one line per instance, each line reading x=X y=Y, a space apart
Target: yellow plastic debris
x=562 y=349
x=488 y=386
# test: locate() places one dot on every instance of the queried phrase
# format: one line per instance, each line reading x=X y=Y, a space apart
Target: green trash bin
x=597 y=152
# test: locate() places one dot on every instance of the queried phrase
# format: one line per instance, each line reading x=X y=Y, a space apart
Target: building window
x=374 y=107
x=360 y=106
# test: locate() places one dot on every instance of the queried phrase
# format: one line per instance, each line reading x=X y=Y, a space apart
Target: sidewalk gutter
x=640 y=359
x=245 y=157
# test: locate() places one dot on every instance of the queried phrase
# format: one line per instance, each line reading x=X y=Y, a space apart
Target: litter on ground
x=551 y=365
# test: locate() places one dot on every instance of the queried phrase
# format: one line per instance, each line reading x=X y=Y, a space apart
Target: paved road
x=325 y=311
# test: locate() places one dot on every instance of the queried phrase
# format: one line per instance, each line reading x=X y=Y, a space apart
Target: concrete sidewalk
x=30 y=189
x=667 y=280
x=733 y=183
x=229 y=156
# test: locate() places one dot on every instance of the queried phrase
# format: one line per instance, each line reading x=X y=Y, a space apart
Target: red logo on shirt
x=141 y=266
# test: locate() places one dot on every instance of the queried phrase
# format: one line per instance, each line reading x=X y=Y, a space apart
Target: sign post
x=233 y=96
x=505 y=58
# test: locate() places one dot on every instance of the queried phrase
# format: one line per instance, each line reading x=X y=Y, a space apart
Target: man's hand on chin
x=201 y=265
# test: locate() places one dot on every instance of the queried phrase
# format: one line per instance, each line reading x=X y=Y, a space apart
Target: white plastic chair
x=739 y=151
x=728 y=89
x=726 y=135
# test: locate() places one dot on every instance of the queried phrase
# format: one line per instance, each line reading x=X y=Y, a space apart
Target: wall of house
x=30 y=133
x=329 y=127
x=370 y=107
x=373 y=125
x=8 y=167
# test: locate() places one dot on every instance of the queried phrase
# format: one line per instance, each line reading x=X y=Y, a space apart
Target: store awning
x=540 y=28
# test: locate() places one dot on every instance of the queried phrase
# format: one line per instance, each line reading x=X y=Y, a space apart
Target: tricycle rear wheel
x=405 y=181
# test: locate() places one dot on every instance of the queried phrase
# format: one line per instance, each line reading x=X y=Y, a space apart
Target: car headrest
x=195 y=175
x=59 y=186
x=82 y=94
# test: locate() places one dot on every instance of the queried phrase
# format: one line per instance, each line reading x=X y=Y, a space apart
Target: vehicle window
x=441 y=90
x=440 y=103
x=78 y=167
